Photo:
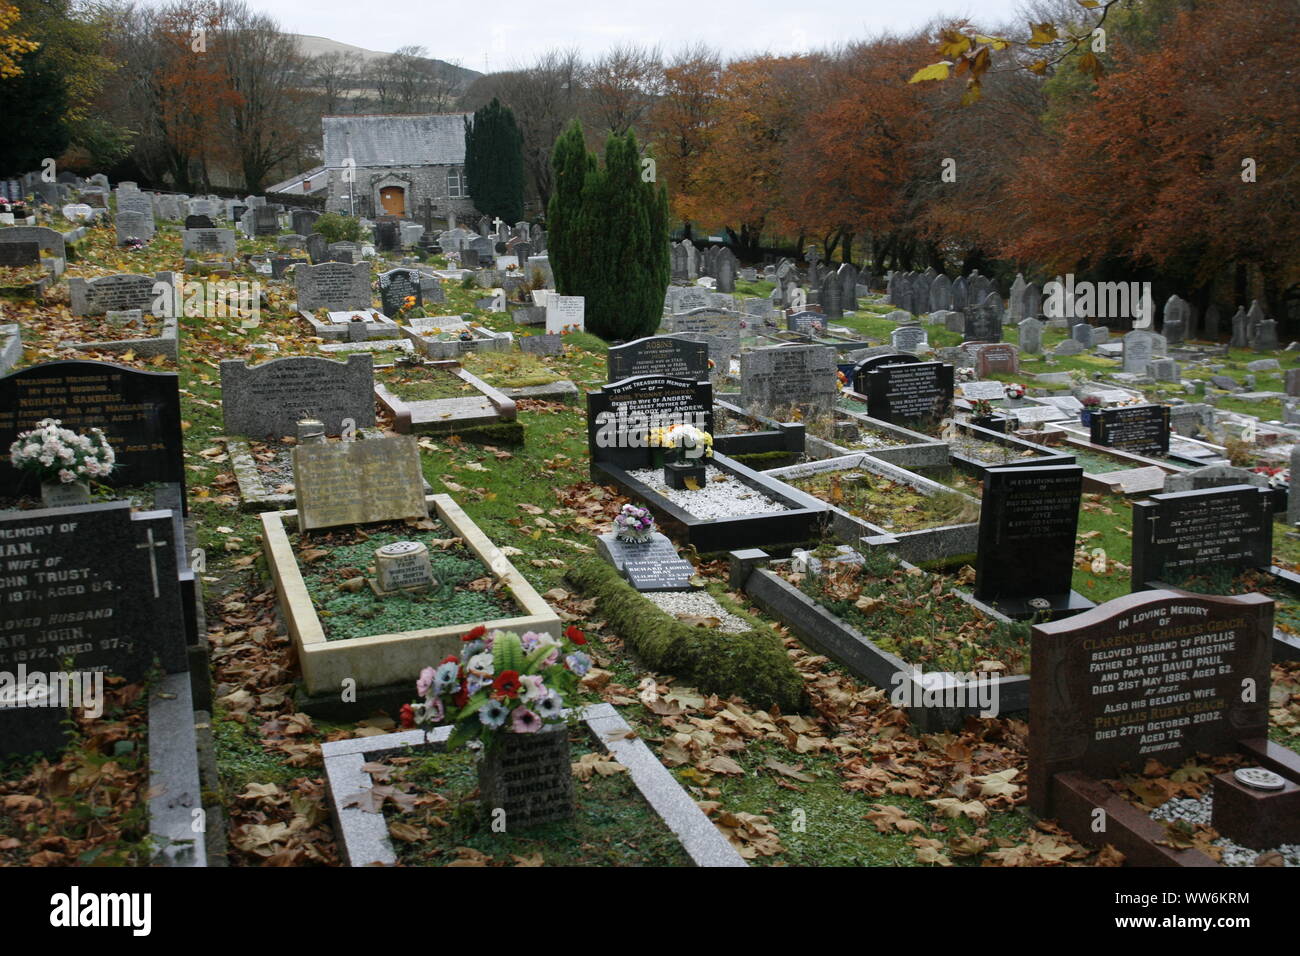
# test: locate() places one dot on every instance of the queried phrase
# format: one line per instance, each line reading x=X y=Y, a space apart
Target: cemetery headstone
x=783 y=378
x=916 y=394
x=1154 y=675
x=1028 y=520
x=358 y=482
x=95 y=583
x=1226 y=529
x=1031 y=336
x=984 y=321
x=396 y=286
x=1140 y=429
x=621 y=415
x=140 y=413
x=206 y=241
x=565 y=313
x=268 y=400
x=658 y=355
x=336 y=286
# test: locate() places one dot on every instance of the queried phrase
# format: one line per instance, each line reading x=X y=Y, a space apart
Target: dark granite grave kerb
x=926 y=544
x=364 y=838
x=799 y=525
x=829 y=635
x=772 y=435
x=918 y=450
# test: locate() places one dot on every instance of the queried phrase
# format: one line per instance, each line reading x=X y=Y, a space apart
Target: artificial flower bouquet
x=57 y=454
x=1015 y=390
x=634 y=524
x=501 y=682
x=691 y=441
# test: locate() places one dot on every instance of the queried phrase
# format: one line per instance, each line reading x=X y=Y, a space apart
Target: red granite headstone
x=1157 y=675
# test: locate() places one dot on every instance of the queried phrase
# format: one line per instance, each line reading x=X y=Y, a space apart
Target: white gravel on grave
x=727 y=498
x=1234 y=854
x=697 y=604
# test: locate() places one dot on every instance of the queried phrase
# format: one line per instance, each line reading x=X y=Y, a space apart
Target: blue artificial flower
x=549 y=707
x=446 y=678
x=493 y=714
x=578 y=662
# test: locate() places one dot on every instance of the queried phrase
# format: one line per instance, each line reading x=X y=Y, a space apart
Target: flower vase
x=529 y=776
x=60 y=494
x=1085 y=417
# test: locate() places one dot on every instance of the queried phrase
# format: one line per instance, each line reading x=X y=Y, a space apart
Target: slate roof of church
x=428 y=139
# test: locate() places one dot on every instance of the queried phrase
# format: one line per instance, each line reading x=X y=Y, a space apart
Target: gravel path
x=1234 y=854
x=697 y=604
x=725 y=498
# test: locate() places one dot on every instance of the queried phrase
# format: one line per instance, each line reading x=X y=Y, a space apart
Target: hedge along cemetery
x=493 y=478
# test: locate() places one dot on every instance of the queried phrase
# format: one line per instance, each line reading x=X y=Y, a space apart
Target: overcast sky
x=490 y=37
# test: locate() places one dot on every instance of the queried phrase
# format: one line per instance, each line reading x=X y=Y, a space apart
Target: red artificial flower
x=475 y=634
x=450 y=659
x=575 y=635
x=506 y=684
x=408 y=716
x=462 y=696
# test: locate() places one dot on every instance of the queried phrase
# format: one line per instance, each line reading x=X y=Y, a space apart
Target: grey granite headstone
x=271 y=398
x=117 y=292
x=1139 y=349
x=208 y=241
x=336 y=286
x=1031 y=336
x=787 y=377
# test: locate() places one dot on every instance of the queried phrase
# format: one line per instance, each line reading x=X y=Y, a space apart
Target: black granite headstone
x=861 y=369
x=280 y=265
x=387 y=237
x=140 y=413
x=199 y=222
x=659 y=355
x=1028 y=521
x=916 y=394
x=19 y=254
x=1212 y=530
x=1140 y=429
x=97 y=584
x=395 y=287
x=622 y=415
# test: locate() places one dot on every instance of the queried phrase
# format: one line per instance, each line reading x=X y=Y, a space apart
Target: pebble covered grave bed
x=723 y=495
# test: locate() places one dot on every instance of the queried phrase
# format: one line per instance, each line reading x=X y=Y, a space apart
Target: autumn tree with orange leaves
x=1183 y=161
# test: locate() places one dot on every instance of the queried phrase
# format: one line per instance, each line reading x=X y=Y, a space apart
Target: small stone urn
x=63 y=494
x=403 y=566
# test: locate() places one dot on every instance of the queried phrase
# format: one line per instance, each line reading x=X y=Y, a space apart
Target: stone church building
x=387 y=165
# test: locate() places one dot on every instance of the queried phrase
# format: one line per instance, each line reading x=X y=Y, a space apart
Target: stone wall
x=418 y=181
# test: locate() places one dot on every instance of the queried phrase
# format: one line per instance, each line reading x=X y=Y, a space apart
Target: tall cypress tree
x=564 y=244
x=608 y=239
x=494 y=162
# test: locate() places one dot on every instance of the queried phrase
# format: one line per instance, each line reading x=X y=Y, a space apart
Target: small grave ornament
x=1258 y=778
x=403 y=566
x=634 y=525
